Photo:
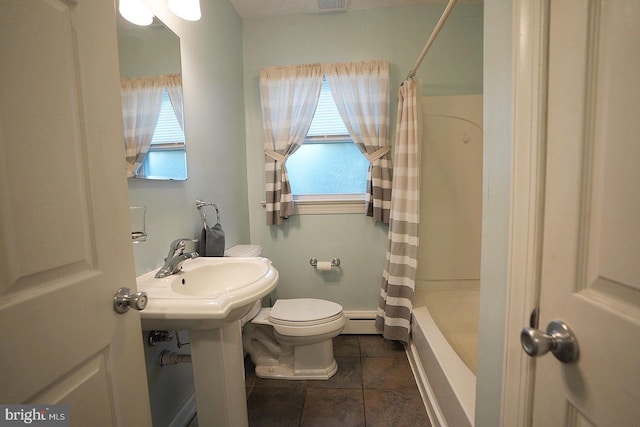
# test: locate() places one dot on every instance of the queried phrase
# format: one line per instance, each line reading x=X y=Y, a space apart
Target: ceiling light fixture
x=186 y=9
x=137 y=12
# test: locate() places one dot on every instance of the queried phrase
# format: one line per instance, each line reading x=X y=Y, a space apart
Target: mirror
x=152 y=53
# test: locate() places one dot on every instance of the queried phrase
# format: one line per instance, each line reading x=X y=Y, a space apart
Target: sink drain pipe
x=170 y=358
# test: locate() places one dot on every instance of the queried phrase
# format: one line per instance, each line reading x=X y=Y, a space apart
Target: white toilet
x=293 y=339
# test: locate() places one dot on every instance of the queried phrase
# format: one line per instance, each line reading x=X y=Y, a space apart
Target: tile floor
x=374 y=386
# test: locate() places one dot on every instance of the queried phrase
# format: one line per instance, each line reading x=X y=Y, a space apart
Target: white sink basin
x=207 y=293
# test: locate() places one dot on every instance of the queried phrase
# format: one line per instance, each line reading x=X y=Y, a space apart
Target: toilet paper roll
x=323 y=266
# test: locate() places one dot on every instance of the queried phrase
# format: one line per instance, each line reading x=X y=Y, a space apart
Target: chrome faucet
x=175 y=258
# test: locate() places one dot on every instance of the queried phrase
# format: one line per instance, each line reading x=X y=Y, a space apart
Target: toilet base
x=276 y=359
x=287 y=372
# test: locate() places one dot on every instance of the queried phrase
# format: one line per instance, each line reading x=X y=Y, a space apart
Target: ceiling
x=258 y=8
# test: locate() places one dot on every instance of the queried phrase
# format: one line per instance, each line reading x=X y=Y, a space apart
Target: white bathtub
x=446 y=381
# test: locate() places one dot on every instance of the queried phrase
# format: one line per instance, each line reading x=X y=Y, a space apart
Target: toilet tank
x=244 y=251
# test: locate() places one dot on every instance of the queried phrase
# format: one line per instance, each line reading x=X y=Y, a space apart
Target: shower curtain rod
x=432 y=37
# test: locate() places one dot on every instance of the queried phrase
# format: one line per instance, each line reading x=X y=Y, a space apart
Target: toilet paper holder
x=334 y=262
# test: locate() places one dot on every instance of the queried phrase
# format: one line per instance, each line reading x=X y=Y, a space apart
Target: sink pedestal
x=218 y=373
x=208 y=297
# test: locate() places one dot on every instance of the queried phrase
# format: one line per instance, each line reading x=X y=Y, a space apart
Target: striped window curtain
x=398 y=278
x=289 y=96
x=141 y=103
x=361 y=93
x=174 y=90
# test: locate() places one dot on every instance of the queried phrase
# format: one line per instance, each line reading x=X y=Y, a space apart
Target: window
x=328 y=163
x=166 y=158
x=288 y=101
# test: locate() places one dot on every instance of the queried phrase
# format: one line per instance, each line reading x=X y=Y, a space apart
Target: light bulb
x=135 y=12
x=186 y=9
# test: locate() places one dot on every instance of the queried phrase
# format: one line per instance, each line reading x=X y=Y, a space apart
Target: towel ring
x=200 y=204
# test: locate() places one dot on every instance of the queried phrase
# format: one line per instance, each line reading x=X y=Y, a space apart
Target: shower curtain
x=393 y=318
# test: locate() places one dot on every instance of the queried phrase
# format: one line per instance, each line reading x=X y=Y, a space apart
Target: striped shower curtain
x=398 y=277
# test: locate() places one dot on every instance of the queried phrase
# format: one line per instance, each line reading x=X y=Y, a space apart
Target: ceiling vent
x=332 y=5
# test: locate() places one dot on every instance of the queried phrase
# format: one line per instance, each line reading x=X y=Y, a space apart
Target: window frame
x=342 y=203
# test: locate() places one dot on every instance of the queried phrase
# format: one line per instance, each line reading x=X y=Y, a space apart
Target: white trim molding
x=327 y=204
x=530 y=43
x=319 y=206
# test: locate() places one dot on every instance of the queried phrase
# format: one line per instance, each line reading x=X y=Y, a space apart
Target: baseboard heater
x=360 y=322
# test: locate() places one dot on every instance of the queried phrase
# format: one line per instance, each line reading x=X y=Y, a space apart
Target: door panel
x=63 y=214
x=591 y=245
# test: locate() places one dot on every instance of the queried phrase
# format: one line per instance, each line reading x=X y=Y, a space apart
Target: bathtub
x=443 y=350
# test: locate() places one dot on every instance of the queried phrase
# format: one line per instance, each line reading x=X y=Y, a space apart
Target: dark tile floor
x=374 y=386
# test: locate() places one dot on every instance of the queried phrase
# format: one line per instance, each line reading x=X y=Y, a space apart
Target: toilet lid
x=304 y=310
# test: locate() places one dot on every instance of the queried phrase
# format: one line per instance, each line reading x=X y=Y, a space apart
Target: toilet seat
x=302 y=317
x=302 y=312
x=304 y=329
x=302 y=324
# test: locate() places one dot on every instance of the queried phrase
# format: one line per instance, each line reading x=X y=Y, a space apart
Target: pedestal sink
x=207 y=298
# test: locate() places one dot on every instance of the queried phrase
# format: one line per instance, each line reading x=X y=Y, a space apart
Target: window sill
x=327 y=205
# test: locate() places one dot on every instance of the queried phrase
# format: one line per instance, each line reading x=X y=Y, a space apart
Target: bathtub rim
x=461 y=379
x=426 y=392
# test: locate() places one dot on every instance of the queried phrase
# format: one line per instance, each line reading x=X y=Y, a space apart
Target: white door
x=64 y=223
x=590 y=276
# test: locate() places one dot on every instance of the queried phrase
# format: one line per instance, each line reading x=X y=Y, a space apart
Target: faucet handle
x=176 y=264
x=180 y=242
x=177 y=247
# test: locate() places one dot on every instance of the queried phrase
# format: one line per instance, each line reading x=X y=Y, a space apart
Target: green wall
x=497 y=206
x=453 y=66
x=211 y=57
x=148 y=51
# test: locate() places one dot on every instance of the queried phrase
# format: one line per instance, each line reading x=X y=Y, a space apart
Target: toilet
x=292 y=340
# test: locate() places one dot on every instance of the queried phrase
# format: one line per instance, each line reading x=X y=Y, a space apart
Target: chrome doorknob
x=122 y=301
x=559 y=339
